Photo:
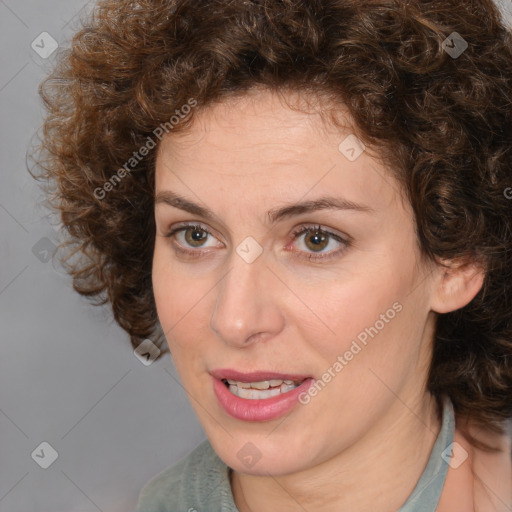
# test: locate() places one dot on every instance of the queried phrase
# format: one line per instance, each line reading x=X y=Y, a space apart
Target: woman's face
x=288 y=255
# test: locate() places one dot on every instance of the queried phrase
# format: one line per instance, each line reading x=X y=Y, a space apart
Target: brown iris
x=195 y=236
x=316 y=240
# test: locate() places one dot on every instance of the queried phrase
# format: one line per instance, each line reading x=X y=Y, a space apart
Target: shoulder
x=186 y=485
x=493 y=473
x=479 y=480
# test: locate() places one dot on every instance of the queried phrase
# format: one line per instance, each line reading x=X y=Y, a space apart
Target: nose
x=247 y=307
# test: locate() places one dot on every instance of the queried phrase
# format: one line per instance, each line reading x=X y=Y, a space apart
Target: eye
x=192 y=236
x=318 y=243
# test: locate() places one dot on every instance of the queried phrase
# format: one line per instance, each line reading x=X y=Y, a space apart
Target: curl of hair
x=443 y=124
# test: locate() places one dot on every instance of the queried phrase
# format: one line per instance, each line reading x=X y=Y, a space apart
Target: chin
x=261 y=458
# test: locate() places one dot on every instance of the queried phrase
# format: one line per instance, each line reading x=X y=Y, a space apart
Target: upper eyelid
x=296 y=232
x=173 y=231
x=311 y=227
x=184 y=225
x=300 y=229
x=344 y=240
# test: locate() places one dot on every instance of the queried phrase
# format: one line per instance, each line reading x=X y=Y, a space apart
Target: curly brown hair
x=442 y=122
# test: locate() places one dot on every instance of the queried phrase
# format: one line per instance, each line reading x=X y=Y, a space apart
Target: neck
x=375 y=475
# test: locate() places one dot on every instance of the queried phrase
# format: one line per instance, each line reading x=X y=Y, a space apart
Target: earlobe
x=457 y=286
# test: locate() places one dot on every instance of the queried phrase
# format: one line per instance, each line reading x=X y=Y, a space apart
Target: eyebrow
x=323 y=203
x=172 y=199
x=274 y=215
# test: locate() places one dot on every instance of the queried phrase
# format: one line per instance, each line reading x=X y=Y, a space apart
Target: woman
x=308 y=200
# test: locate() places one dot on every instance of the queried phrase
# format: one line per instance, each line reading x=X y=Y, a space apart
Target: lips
x=252 y=408
x=229 y=374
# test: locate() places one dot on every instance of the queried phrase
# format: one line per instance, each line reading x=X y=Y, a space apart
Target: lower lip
x=258 y=410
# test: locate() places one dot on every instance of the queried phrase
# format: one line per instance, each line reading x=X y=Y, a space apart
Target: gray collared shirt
x=200 y=481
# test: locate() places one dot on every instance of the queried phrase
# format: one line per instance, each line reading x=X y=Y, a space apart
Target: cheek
x=178 y=307
x=185 y=323
x=175 y=295
x=351 y=309
x=368 y=354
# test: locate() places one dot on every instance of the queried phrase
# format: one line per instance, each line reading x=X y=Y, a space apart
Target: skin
x=364 y=440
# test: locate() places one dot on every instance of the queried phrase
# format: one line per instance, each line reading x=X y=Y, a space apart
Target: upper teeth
x=263 y=384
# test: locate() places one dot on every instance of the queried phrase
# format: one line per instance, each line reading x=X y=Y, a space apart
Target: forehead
x=281 y=123
x=264 y=146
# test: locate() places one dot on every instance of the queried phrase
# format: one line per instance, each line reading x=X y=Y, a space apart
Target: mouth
x=262 y=389
x=258 y=396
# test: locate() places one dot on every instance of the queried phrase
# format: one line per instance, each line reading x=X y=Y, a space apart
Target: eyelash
x=296 y=234
x=181 y=249
x=311 y=256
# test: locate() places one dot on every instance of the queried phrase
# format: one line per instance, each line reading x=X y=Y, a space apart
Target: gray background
x=68 y=375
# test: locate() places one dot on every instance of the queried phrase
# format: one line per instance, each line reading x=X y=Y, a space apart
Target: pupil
x=317 y=239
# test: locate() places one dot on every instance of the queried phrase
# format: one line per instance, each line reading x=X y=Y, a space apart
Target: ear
x=457 y=285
